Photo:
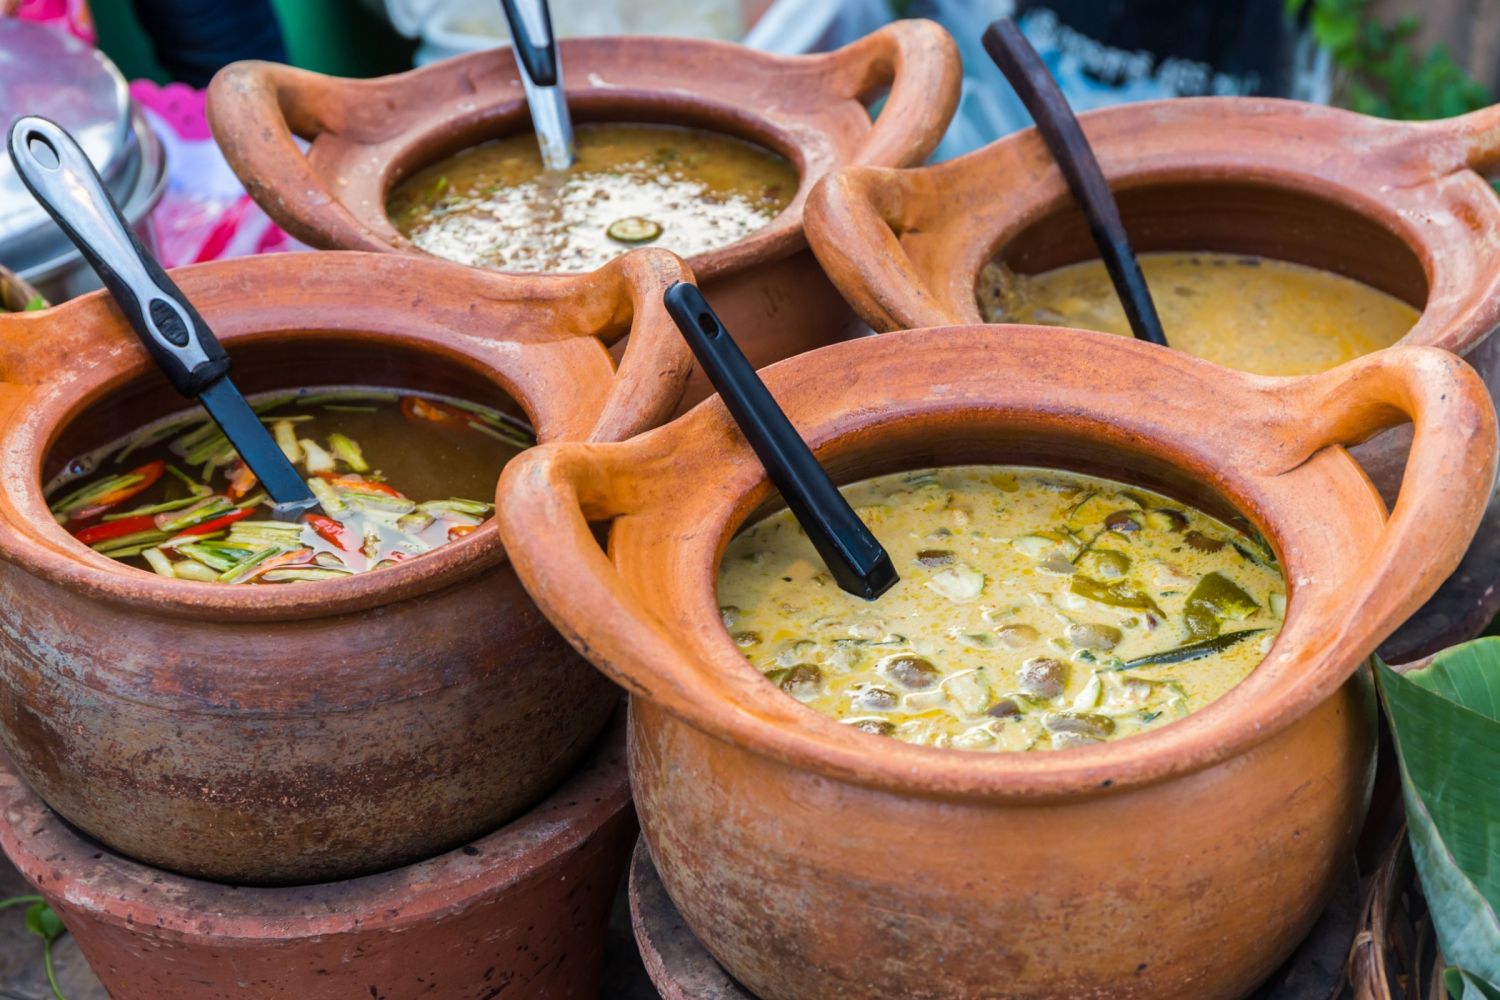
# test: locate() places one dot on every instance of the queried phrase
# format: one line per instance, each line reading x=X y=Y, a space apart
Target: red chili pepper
x=294 y=558
x=115 y=529
x=361 y=485
x=329 y=530
x=241 y=480
x=417 y=408
x=210 y=526
x=150 y=473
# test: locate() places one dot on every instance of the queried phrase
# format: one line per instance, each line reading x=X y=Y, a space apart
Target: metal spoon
x=66 y=184
x=541 y=74
x=858 y=561
x=1075 y=158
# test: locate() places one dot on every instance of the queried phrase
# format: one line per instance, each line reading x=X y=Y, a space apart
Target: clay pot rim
x=665 y=643
x=127 y=893
x=644 y=390
x=750 y=94
x=1330 y=154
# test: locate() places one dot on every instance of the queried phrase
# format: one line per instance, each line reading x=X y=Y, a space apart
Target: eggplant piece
x=1042 y=677
x=912 y=672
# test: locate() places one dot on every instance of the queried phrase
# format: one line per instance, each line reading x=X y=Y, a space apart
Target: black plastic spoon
x=535 y=47
x=858 y=561
x=1070 y=148
x=66 y=184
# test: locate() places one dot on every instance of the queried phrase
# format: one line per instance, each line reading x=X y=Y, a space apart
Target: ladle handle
x=1075 y=158
x=62 y=179
x=858 y=561
x=535 y=46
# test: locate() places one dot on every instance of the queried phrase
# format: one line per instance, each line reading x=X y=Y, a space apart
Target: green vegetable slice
x=1191 y=651
x=1215 y=599
x=1117 y=595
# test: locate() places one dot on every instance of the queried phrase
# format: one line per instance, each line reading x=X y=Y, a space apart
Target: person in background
x=194 y=39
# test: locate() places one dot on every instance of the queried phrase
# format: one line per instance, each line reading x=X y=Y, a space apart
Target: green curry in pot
x=1037 y=610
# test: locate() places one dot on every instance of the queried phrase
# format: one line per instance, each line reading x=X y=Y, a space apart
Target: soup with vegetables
x=397 y=473
x=1251 y=313
x=682 y=189
x=1037 y=609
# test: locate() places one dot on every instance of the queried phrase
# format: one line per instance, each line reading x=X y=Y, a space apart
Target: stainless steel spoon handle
x=535 y=47
x=65 y=183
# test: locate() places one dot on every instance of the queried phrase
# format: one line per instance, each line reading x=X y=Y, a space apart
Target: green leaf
x=43 y=922
x=1462 y=986
x=35 y=303
x=1446 y=722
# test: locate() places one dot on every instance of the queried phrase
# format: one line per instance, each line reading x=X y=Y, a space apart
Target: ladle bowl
x=311 y=731
x=818 y=861
x=366 y=135
x=1401 y=206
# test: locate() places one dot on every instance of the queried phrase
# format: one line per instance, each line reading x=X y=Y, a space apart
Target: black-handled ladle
x=1070 y=148
x=535 y=46
x=62 y=179
x=858 y=561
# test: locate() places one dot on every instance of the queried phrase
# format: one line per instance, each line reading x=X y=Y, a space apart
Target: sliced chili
x=329 y=530
x=149 y=473
x=217 y=524
x=115 y=529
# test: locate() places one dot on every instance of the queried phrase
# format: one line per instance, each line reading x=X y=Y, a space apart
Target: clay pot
x=367 y=134
x=1401 y=206
x=521 y=912
x=817 y=861
x=302 y=733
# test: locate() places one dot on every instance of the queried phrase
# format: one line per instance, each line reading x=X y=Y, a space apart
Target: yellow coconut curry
x=1250 y=313
x=682 y=189
x=1037 y=609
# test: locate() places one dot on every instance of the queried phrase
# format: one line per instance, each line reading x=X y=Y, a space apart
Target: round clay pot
x=300 y=733
x=1401 y=206
x=367 y=134
x=817 y=861
x=521 y=912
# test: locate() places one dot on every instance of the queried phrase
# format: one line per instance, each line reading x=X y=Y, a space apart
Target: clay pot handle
x=1449 y=476
x=1480 y=131
x=919 y=62
x=552 y=492
x=255 y=108
x=655 y=352
x=853 y=217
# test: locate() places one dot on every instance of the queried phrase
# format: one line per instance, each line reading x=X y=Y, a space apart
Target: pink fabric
x=71 y=15
x=205 y=213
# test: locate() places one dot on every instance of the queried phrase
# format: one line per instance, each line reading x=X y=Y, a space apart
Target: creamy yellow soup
x=681 y=189
x=1037 y=609
x=1250 y=313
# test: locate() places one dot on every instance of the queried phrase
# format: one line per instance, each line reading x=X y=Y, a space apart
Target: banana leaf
x=1446 y=721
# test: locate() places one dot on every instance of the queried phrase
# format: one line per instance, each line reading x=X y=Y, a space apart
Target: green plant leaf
x=34 y=303
x=1446 y=722
x=42 y=921
x=1462 y=986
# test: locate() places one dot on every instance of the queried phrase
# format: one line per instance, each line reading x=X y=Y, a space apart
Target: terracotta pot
x=519 y=913
x=310 y=732
x=682 y=969
x=367 y=134
x=1401 y=206
x=817 y=861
